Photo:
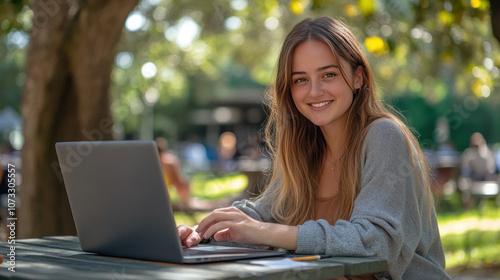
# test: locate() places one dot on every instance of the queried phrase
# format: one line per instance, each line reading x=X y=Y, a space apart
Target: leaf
x=367 y=7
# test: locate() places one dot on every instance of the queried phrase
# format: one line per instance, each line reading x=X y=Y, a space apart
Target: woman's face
x=319 y=90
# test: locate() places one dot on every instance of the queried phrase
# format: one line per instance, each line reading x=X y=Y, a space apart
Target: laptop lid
x=121 y=206
x=118 y=199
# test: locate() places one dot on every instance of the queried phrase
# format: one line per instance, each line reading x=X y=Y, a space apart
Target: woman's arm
x=171 y=165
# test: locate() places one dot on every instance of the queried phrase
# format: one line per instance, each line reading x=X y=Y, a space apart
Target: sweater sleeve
x=389 y=213
x=259 y=209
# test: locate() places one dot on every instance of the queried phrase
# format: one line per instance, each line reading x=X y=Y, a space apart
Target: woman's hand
x=231 y=224
x=189 y=236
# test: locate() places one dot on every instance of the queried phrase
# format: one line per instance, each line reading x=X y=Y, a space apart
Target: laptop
x=121 y=206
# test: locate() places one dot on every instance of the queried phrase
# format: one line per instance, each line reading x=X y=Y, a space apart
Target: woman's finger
x=188 y=236
x=222 y=225
x=218 y=215
x=184 y=231
x=223 y=236
x=193 y=239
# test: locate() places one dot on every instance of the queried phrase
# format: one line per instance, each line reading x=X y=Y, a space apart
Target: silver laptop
x=121 y=206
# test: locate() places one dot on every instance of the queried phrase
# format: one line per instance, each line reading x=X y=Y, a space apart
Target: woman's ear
x=358 y=78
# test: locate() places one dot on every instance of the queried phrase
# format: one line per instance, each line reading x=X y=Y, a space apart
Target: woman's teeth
x=317 y=105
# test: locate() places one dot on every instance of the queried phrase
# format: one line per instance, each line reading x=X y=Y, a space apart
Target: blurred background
x=193 y=75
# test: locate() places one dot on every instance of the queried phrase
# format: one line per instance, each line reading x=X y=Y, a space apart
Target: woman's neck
x=335 y=137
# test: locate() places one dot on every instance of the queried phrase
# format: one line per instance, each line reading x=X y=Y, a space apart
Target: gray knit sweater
x=389 y=219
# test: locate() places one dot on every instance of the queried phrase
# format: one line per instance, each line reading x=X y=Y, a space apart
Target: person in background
x=349 y=178
x=226 y=152
x=172 y=171
x=477 y=166
x=478 y=161
x=195 y=156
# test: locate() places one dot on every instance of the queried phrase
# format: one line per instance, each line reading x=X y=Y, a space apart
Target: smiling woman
x=318 y=89
x=349 y=178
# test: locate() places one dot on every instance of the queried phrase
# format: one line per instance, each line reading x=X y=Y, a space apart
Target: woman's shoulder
x=384 y=139
x=385 y=129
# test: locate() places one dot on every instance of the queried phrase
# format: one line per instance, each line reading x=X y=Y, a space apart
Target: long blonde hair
x=297 y=146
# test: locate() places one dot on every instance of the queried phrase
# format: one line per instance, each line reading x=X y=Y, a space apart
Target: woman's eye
x=329 y=75
x=299 y=80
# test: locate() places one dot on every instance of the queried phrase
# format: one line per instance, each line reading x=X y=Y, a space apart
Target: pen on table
x=311 y=258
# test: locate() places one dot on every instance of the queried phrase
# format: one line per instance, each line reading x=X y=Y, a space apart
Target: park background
x=129 y=69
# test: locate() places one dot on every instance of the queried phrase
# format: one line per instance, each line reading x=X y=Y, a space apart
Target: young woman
x=349 y=178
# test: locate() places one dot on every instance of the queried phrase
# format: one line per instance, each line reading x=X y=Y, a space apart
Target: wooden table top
x=60 y=257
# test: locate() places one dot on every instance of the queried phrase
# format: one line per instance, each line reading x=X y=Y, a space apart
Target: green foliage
x=9 y=15
x=13 y=41
x=11 y=80
x=419 y=115
x=428 y=58
x=465 y=116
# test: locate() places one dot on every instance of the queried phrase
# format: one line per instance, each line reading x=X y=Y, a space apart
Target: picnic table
x=61 y=257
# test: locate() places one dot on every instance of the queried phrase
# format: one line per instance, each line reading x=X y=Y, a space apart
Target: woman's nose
x=316 y=89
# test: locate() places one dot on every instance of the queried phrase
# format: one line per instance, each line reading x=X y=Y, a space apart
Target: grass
x=217 y=187
x=474 y=248
x=212 y=187
x=471 y=238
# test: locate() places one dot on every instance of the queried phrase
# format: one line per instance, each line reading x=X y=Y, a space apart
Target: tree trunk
x=495 y=18
x=65 y=98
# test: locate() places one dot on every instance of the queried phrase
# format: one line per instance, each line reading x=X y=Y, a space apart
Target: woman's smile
x=318 y=106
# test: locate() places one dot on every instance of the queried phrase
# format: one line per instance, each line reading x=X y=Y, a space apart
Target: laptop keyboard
x=209 y=249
